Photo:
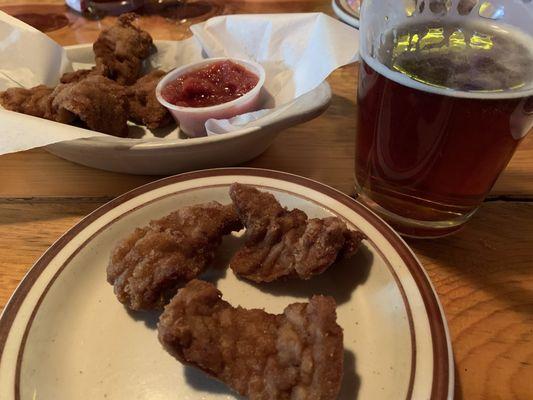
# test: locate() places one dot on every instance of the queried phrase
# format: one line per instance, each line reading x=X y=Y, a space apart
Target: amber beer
x=442 y=108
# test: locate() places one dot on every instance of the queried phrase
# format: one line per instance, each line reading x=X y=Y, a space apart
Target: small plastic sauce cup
x=192 y=119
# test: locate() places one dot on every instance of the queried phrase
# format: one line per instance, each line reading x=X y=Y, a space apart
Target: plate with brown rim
x=63 y=334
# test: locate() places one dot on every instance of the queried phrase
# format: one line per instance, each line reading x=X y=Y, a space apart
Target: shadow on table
x=493 y=253
x=340 y=104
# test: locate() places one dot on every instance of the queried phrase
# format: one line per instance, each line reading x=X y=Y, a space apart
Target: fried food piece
x=98 y=102
x=34 y=101
x=147 y=267
x=282 y=243
x=297 y=355
x=144 y=108
x=76 y=76
x=120 y=49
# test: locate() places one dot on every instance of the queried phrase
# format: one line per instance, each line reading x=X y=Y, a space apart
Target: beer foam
x=517 y=67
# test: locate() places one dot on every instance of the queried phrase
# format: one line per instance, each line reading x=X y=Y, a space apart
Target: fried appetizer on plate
x=297 y=355
x=76 y=76
x=96 y=101
x=282 y=243
x=148 y=266
x=34 y=101
x=121 y=48
x=144 y=109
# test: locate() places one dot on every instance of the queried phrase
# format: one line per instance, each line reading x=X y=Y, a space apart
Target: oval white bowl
x=157 y=156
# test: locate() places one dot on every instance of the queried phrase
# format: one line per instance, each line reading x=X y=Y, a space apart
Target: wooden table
x=483 y=274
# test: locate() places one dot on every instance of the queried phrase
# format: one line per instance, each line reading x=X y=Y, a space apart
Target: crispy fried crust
x=120 y=49
x=147 y=267
x=297 y=355
x=34 y=101
x=144 y=108
x=282 y=243
x=97 y=101
x=76 y=76
x=88 y=96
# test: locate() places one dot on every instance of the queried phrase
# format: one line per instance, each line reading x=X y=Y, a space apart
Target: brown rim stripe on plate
x=440 y=381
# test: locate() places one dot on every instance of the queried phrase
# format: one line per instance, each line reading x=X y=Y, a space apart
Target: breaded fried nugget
x=148 y=266
x=34 y=101
x=297 y=355
x=144 y=108
x=76 y=76
x=282 y=243
x=98 y=102
x=120 y=49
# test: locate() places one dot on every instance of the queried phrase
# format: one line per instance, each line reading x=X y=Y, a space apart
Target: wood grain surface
x=483 y=274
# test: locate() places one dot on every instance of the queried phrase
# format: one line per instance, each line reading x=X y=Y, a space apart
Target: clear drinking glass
x=445 y=96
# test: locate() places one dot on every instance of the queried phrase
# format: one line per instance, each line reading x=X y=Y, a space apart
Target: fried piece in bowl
x=34 y=101
x=76 y=76
x=147 y=267
x=121 y=48
x=297 y=355
x=98 y=102
x=282 y=243
x=144 y=109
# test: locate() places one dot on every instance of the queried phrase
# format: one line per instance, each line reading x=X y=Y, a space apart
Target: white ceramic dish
x=192 y=119
x=347 y=11
x=64 y=336
x=164 y=156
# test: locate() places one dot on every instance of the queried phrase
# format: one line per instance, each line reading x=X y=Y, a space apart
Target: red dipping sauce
x=214 y=84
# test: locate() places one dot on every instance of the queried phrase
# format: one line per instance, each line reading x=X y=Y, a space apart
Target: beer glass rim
x=404 y=80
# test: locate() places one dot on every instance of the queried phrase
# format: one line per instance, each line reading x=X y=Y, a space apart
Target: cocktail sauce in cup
x=218 y=88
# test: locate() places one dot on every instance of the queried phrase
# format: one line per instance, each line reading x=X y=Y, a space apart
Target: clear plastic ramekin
x=192 y=119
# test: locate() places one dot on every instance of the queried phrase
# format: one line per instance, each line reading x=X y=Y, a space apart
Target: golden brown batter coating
x=148 y=266
x=297 y=355
x=98 y=102
x=34 y=101
x=76 y=76
x=282 y=243
x=120 y=49
x=144 y=109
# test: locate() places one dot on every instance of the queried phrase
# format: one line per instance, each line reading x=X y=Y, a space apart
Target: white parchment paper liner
x=298 y=52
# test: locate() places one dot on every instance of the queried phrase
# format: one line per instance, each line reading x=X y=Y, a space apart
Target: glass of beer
x=445 y=96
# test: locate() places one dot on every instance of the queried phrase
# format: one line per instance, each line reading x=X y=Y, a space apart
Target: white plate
x=64 y=336
x=347 y=11
x=156 y=156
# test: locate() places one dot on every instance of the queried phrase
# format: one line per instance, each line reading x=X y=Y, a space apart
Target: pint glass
x=445 y=96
